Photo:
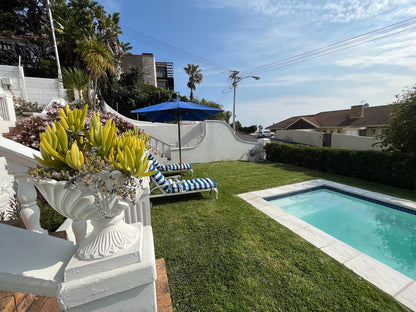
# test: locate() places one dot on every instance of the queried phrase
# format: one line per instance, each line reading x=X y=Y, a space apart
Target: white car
x=265 y=134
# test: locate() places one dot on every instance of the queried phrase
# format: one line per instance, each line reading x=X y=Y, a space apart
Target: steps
x=12 y=132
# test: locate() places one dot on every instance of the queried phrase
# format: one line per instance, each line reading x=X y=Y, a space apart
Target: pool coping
x=394 y=283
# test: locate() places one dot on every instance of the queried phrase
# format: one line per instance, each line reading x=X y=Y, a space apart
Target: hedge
x=395 y=169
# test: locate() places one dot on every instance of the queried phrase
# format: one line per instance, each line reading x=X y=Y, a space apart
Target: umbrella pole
x=180 y=144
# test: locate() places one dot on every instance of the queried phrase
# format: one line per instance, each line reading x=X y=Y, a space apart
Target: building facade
x=158 y=74
x=359 y=120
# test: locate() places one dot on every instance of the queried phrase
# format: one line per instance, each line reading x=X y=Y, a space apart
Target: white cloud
x=338 y=92
x=323 y=11
x=399 y=51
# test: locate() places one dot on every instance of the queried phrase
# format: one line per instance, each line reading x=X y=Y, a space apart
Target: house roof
x=370 y=116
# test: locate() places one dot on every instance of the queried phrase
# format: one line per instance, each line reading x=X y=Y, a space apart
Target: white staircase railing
x=160 y=148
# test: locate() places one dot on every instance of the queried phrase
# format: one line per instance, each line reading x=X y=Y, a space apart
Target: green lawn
x=225 y=255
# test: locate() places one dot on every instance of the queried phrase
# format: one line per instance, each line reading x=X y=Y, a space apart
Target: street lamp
x=235 y=80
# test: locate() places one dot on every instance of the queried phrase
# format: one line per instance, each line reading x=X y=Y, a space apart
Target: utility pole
x=235 y=80
x=58 y=64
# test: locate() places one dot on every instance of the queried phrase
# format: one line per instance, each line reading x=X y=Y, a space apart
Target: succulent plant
x=68 y=148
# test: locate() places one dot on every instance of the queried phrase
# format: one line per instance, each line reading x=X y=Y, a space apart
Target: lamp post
x=235 y=80
x=56 y=49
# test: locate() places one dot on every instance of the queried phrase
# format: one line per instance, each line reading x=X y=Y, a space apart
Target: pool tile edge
x=403 y=290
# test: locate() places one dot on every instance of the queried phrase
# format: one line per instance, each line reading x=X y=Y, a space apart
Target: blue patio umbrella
x=177 y=110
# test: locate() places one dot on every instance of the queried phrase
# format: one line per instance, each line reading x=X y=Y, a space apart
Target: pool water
x=386 y=234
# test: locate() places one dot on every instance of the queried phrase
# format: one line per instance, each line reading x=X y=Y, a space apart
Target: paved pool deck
x=394 y=283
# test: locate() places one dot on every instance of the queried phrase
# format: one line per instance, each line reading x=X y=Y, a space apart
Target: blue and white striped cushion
x=153 y=160
x=159 y=178
x=174 y=167
x=198 y=184
x=169 y=186
x=171 y=167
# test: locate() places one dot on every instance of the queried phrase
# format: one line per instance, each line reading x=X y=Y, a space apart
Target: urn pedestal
x=102 y=205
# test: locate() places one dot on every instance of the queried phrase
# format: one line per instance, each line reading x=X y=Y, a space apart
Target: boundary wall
x=337 y=140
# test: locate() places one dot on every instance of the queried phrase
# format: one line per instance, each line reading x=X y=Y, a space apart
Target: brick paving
x=164 y=303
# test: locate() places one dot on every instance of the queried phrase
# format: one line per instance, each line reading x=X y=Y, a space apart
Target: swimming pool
x=390 y=280
x=382 y=231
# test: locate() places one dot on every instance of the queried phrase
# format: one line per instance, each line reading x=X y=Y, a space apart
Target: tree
x=195 y=77
x=75 y=79
x=129 y=92
x=26 y=27
x=400 y=136
x=97 y=59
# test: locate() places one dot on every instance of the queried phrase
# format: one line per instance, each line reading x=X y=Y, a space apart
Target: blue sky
x=245 y=34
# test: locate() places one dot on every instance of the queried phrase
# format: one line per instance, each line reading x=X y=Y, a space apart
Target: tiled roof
x=372 y=116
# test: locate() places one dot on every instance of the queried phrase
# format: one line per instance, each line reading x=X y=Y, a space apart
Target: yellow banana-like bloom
x=62 y=145
x=74 y=158
x=131 y=155
x=73 y=121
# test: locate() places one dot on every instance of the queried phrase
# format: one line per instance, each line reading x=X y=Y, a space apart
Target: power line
x=380 y=33
x=167 y=48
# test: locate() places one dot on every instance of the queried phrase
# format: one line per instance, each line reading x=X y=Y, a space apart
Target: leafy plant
x=70 y=151
x=75 y=79
x=400 y=136
x=30 y=128
x=21 y=106
x=396 y=169
x=67 y=144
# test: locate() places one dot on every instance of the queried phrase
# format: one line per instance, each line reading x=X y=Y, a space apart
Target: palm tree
x=97 y=58
x=195 y=76
x=75 y=79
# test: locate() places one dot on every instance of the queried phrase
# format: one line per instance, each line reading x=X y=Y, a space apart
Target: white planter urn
x=103 y=207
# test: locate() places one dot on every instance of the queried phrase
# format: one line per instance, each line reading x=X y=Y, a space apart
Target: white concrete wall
x=31 y=89
x=337 y=141
x=7 y=113
x=300 y=136
x=354 y=142
x=41 y=90
x=17 y=87
x=220 y=143
x=205 y=141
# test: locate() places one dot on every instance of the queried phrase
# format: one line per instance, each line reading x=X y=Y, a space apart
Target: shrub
x=29 y=129
x=395 y=169
x=21 y=106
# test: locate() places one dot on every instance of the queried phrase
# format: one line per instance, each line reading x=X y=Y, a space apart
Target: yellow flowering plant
x=69 y=151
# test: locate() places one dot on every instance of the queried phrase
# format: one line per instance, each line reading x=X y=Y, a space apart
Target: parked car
x=265 y=134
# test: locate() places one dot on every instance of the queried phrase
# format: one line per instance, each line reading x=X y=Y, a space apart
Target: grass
x=225 y=255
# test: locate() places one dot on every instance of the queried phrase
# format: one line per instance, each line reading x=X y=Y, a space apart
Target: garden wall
x=31 y=89
x=338 y=140
x=393 y=169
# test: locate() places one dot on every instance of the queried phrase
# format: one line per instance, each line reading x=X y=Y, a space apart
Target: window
x=162 y=84
x=161 y=72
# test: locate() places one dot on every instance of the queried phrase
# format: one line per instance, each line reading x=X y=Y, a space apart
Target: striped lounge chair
x=171 y=167
x=177 y=187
